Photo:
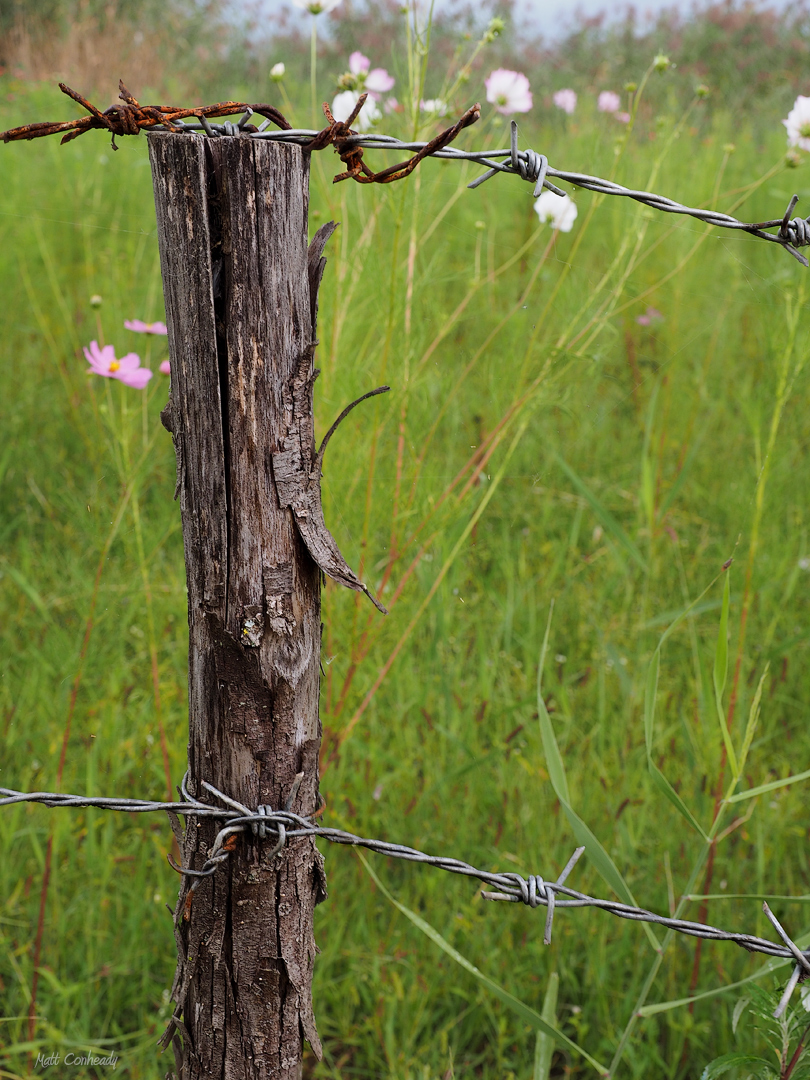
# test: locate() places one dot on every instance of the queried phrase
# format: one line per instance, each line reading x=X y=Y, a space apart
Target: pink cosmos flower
x=565 y=100
x=358 y=63
x=608 y=102
x=127 y=370
x=508 y=91
x=165 y=368
x=377 y=81
x=141 y=327
x=651 y=315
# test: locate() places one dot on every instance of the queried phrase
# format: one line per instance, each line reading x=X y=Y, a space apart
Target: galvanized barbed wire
x=131 y=118
x=534 y=891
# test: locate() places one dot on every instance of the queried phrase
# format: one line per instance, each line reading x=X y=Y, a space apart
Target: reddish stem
x=46 y=877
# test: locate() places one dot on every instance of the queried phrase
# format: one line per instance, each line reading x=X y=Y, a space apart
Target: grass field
x=538 y=445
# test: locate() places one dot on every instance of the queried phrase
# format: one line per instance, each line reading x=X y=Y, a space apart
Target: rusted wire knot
x=131 y=118
x=339 y=134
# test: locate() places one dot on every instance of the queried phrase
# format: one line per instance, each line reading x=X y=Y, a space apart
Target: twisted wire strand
x=284 y=826
x=535 y=169
x=130 y=118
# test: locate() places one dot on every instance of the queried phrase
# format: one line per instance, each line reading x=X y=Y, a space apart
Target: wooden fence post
x=240 y=288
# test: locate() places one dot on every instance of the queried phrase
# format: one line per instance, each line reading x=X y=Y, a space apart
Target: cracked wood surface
x=241 y=299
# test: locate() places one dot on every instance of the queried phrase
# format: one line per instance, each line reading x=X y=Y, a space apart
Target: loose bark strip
x=241 y=300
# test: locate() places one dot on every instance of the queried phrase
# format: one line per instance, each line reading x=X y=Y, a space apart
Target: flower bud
x=661 y=63
x=347 y=81
x=702 y=91
x=494 y=30
x=95 y=301
x=277 y=72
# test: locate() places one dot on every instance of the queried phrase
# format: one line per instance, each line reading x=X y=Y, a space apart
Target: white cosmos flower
x=435 y=106
x=508 y=91
x=798 y=123
x=561 y=212
x=316 y=7
x=345 y=102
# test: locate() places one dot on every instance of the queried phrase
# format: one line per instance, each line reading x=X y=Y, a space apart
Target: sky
x=553 y=17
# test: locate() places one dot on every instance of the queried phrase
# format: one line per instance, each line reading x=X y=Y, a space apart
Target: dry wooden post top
x=240 y=287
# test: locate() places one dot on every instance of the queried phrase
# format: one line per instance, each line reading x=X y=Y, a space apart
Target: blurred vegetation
x=752 y=57
x=540 y=443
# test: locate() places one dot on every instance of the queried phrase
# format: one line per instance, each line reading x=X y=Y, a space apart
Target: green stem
x=153 y=654
x=667 y=941
x=313 y=68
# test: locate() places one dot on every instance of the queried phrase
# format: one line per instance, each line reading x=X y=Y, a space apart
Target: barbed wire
x=130 y=118
x=533 y=890
x=283 y=825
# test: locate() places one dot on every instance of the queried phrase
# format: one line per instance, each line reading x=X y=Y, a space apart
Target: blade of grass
x=603 y=863
x=25 y=585
x=491 y=489
x=753 y=720
x=650 y=693
x=774 y=785
x=771 y=965
x=720 y=673
x=664 y=786
x=606 y=519
x=525 y=1012
x=544 y=1047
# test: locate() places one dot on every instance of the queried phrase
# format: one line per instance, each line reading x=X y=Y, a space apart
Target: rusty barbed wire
x=281 y=826
x=131 y=118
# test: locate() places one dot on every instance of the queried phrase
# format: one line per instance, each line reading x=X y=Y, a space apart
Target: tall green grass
x=538 y=445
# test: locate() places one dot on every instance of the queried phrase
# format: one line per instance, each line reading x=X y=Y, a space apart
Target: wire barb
x=802 y=969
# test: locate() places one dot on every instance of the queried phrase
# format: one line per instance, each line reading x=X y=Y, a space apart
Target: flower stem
x=313 y=67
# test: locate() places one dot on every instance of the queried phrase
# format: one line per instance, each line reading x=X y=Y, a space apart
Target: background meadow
x=598 y=419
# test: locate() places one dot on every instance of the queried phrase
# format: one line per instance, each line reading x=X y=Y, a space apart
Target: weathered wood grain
x=232 y=226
